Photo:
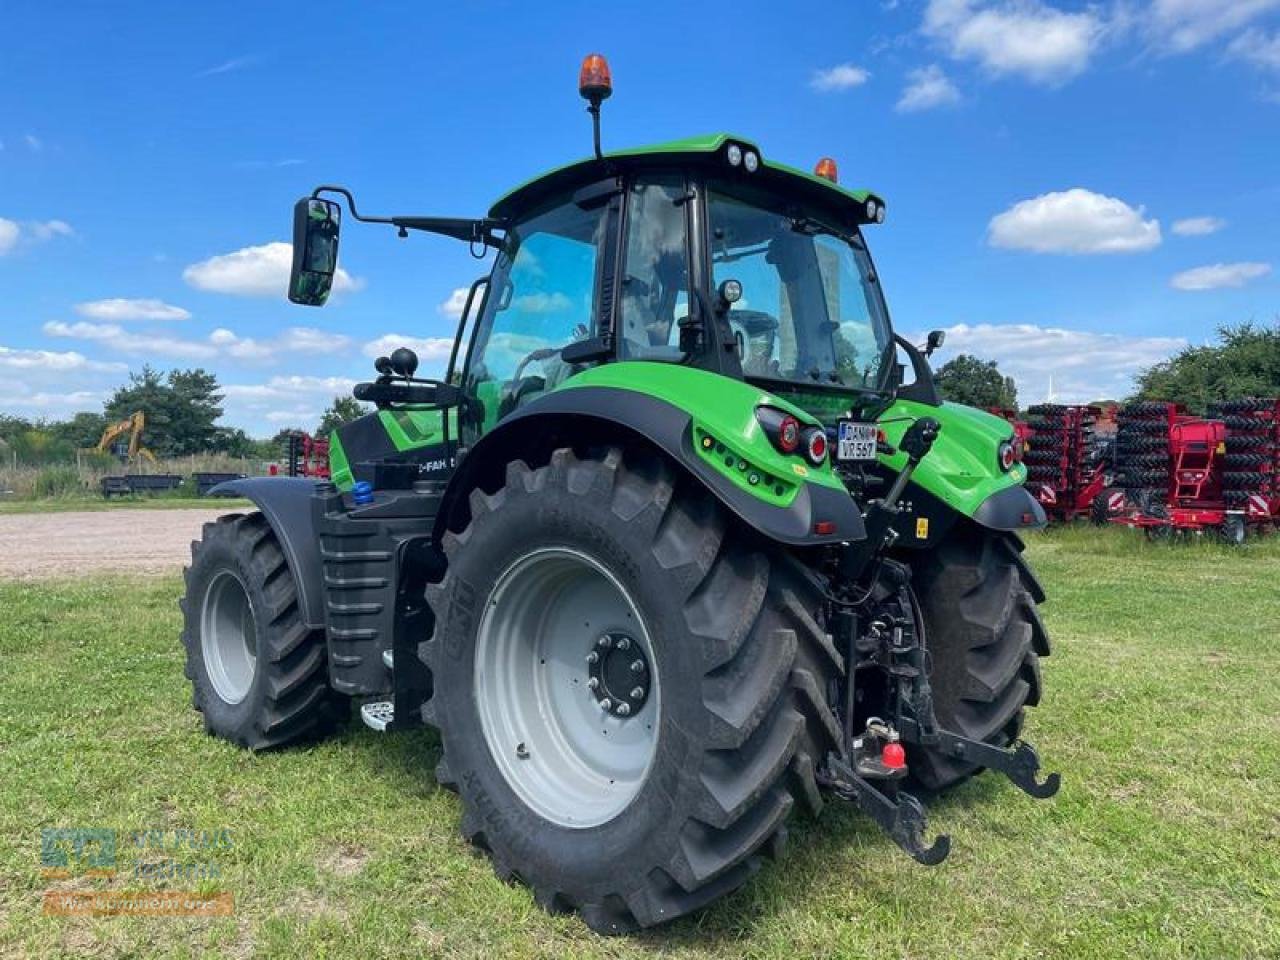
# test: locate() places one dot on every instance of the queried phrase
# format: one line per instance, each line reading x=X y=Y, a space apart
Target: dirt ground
x=42 y=545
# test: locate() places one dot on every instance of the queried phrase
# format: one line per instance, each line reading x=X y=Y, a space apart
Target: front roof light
x=734 y=155
x=751 y=161
x=880 y=215
x=871 y=210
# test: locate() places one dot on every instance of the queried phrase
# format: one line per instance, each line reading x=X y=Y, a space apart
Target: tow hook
x=901 y=815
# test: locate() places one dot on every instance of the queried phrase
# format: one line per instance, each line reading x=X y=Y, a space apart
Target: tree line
x=182 y=409
x=1244 y=362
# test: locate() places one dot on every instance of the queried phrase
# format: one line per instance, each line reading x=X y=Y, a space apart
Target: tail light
x=1008 y=455
x=815 y=445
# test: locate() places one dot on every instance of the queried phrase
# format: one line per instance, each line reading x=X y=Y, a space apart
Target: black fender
x=1013 y=508
x=286 y=503
x=609 y=414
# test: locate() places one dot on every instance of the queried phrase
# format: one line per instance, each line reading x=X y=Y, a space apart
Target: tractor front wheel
x=631 y=697
x=258 y=675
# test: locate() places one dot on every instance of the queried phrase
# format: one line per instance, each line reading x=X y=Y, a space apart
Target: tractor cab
x=697 y=253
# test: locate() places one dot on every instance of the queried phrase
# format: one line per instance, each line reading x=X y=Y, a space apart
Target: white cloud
x=45 y=403
x=1198 y=226
x=120 y=308
x=9 y=233
x=285 y=388
x=1083 y=365
x=553 y=302
x=261 y=271
x=1074 y=221
x=48 y=229
x=454 y=305
x=1256 y=47
x=220 y=343
x=36 y=231
x=227 y=66
x=927 y=88
x=427 y=348
x=34 y=143
x=844 y=76
x=53 y=362
x=1024 y=37
x=1217 y=275
x=1181 y=25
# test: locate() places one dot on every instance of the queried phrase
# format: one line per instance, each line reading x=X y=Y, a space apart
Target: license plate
x=856 y=441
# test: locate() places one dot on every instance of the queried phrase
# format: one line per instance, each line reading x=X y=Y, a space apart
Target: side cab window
x=540 y=299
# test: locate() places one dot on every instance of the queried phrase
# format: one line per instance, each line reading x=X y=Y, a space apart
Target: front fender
x=783 y=503
x=286 y=503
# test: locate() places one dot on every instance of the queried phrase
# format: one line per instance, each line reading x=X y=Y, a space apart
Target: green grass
x=1162 y=711
x=68 y=504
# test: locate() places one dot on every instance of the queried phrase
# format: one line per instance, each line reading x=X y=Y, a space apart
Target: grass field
x=1162 y=711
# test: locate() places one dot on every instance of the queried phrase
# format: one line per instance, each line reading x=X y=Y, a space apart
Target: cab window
x=541 y=299
x=655 y=276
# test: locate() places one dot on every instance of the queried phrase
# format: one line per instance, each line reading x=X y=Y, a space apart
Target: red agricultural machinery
x=1067 y=463
x=1179 y=473
x=308 y=456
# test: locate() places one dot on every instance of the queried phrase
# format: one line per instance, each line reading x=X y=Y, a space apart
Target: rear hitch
x=901 y=815
x=1020 y=764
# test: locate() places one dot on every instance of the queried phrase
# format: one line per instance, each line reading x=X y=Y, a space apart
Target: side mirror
x=936 y=339
x=315 y=250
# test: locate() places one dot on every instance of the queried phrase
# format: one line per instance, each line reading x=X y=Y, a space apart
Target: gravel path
x=40 y=545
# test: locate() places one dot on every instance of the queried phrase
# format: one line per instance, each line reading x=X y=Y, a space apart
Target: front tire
x=258 y=675
x=978 y=600
x=738 y=713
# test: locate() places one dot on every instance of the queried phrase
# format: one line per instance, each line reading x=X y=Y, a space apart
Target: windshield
x=811 y=309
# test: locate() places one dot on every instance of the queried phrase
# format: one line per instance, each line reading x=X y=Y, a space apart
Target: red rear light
x=824 y=528
x=816 y=446
x=789 y=434
x=1007 y=459
x=826 y=169
x=594 y=81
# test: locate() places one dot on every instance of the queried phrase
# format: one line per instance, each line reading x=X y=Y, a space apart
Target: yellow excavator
x=133 y=425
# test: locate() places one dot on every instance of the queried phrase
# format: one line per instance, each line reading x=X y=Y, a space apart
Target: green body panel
x=676 y=150
x=339 y=468
x=963 y=468
x=411 y=429
x=722 y=409
x=406 y=429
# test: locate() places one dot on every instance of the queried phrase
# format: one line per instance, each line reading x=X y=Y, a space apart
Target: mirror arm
x=459 y=228
x=924 y=390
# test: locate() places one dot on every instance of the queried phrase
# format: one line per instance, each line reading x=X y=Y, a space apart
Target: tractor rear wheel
x=258 y=675
x=977 y=598
x=630 y=696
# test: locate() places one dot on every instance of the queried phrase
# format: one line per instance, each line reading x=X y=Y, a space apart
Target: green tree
x=82 y=431
x=182 y=409
x=978 y=383
x=342 y=410
x=1246 y=362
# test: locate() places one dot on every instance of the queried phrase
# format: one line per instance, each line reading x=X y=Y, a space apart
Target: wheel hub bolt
x=624 y=643
x=624 y=709
x=593 y=683
x=637 y=666
x=593 y=657
x=605 y=641
x=637 y=693
x=606 y=703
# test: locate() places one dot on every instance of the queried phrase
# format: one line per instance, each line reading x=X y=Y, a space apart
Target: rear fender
x=606 y=414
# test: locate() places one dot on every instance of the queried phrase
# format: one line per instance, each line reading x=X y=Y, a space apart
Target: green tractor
x=675 y=549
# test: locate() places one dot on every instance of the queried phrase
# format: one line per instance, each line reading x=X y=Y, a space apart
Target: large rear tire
x=978 y=599
x=737 y=667
x=258 y=675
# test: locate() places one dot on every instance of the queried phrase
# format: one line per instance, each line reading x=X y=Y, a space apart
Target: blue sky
x=1074 y=189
